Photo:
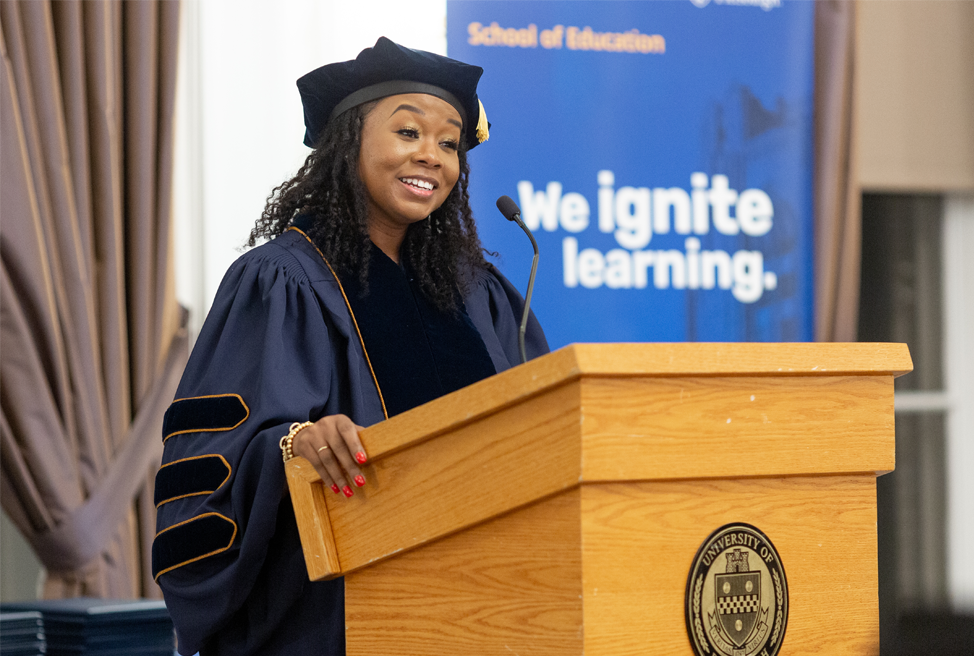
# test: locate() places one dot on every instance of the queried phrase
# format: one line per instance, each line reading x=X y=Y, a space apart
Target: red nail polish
x=348 y=491
x=360 y=480
x=334 y=488
x=360 y=457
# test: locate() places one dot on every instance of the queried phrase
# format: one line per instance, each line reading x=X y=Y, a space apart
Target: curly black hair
x=442 y=250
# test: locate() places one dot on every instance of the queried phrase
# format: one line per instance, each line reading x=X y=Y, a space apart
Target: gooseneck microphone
x=512 y=212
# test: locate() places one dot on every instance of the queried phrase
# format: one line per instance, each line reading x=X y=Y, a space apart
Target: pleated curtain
x=91 y=345
x=837 y=195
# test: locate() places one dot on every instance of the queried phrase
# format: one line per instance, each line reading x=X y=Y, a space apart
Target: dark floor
x=930 y=635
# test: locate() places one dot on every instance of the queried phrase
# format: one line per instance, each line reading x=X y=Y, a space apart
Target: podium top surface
x=732 y=359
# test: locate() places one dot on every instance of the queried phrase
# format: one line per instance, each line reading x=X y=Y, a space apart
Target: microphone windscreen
x=508 y=207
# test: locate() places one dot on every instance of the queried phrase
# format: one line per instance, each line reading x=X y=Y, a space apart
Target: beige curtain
x=91 y=345
x=838 y=225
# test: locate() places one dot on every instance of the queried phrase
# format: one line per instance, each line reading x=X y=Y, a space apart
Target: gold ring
x=322 y=448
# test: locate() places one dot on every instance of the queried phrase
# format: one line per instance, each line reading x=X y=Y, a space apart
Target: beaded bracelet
x=287 y=449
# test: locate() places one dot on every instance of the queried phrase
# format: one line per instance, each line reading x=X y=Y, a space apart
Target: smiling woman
x=409 y=164
x=371 y=297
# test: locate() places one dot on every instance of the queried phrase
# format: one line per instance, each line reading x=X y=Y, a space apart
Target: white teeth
x=422 y=184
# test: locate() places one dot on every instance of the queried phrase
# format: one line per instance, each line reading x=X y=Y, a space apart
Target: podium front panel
x=639 y=540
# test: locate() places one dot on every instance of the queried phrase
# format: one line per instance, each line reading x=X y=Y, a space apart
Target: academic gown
x=278 y=346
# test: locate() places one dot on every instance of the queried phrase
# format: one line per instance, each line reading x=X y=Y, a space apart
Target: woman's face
x=409 y=160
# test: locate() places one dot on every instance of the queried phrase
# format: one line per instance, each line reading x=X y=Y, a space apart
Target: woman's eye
x=452 y=145
x=409 y=132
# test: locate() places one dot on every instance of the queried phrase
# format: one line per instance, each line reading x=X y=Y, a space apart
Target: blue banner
x=661 y=152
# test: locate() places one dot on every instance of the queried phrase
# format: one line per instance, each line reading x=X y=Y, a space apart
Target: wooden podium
x=556 y=508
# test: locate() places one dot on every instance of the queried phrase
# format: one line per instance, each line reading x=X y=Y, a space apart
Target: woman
x=371 y=298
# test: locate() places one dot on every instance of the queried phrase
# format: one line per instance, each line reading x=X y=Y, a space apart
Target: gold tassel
x=483 y=132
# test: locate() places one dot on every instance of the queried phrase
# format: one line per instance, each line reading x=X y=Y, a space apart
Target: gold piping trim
x=210 y=430
x=206 y=555
x=354 y=321
x=196 y=494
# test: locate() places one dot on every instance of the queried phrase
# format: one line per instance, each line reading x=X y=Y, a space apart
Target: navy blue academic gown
x=278 y=346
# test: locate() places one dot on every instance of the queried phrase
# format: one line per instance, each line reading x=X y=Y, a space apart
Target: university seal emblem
x=737 y=595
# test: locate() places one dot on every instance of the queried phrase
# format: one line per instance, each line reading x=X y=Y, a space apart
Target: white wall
x=240 y=124
x=914 y=93
x=21 y=575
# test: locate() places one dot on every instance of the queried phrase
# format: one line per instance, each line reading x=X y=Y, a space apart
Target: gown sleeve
x=265 y=358
x=495 y=307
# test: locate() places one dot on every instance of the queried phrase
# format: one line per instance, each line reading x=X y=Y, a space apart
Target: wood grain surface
x=614 y=558
x=661 y=428
x=460 y=479
x=742 y=359
x=634 y=361
x=574 y=491
x=510 y=586
x=311 y=513
x=639 y=539
x=594 y=429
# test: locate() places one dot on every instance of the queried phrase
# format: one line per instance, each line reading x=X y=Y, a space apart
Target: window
x=915 y=269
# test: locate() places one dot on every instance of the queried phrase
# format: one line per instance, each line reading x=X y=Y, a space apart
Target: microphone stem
x=527 y=297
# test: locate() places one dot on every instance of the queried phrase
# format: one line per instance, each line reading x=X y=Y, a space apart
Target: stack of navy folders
x=22 y=634
x=102 y=627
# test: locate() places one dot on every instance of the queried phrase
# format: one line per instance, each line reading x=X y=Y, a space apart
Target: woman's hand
x=331 y=444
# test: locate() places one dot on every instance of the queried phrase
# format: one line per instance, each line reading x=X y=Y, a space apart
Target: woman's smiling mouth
x=419 y=185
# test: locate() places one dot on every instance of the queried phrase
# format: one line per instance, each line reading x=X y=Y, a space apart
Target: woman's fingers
x=344 y=446
x=319 y=464
x=333 y=447
x=310 y=444
x=359 y=451
x=335 y=473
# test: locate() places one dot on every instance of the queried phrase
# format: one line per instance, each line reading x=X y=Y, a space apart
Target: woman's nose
x=427 y=153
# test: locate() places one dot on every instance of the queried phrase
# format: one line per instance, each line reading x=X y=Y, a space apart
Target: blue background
x=731 y=95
